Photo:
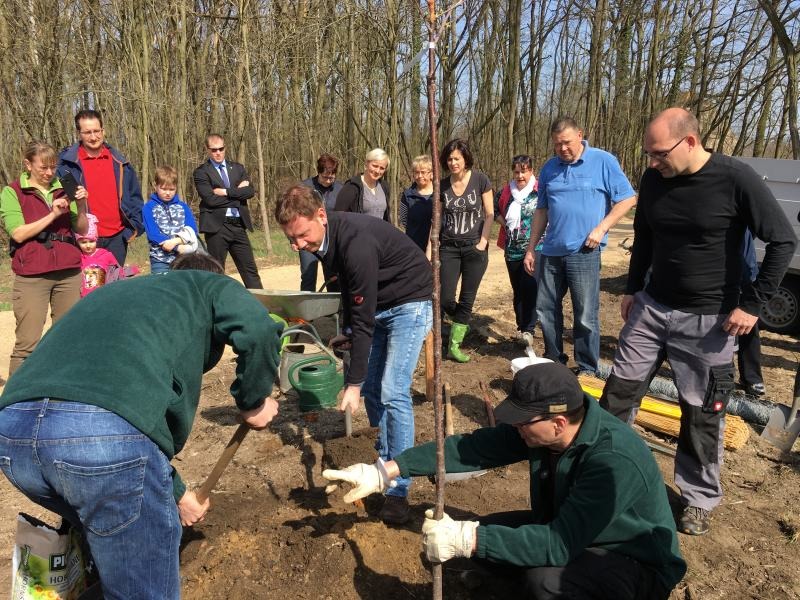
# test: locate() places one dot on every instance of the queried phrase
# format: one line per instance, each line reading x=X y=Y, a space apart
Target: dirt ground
x=273 y=532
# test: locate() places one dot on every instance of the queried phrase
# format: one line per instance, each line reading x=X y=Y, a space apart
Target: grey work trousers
x=700 y=354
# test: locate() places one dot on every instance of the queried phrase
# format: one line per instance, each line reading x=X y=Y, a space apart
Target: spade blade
x=784 y=426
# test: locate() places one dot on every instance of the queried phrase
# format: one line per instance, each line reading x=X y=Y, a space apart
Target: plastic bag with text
x=47 y=562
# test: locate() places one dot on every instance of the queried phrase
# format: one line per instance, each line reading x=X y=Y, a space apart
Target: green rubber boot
x=457 y=333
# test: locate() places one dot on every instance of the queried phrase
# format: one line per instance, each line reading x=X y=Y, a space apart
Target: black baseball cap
x=541 y=389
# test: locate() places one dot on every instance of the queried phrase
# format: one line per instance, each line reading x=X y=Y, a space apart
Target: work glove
x=446 y=538
x=367 y=479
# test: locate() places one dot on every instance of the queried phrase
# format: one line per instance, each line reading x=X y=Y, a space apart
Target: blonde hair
x=377 y=154
x=423 y=160
x=41 y=149
x=165 y=175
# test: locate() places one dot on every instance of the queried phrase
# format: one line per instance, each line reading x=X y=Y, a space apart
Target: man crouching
x=600 y=526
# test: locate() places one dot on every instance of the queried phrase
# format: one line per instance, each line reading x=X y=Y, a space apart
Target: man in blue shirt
x=582 y=194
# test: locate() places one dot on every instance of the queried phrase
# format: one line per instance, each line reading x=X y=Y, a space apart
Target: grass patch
x=6 y=284
x=790 y=527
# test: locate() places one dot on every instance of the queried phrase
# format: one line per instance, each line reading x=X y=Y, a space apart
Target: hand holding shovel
x=257 y=418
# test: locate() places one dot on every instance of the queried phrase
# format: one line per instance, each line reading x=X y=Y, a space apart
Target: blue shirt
x=231 y=211
x=578 y=196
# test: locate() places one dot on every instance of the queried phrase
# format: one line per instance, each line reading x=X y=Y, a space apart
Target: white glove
x=368 y=479
x=446 y=539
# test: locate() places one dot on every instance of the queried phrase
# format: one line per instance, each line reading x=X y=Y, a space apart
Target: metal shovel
x=784 y=426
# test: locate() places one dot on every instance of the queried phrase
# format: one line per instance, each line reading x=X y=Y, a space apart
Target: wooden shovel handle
x=429 y=389
x=488 y=404
x=204 y=490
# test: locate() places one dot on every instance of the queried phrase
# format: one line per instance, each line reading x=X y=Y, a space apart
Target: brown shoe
x=395 y=510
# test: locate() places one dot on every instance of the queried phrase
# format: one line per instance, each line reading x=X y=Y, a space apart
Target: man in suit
x=224 y=189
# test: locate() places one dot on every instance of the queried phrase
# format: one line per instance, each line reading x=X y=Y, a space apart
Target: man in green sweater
x=600 y=526
x=89 y=423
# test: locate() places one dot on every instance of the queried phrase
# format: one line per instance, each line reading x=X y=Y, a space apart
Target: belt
x=46 y=238
x=460 y=243
x=234 y=221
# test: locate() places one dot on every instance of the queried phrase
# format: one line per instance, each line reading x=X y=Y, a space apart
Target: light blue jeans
x=580 y=272
x=396 y=343
x=105 y=477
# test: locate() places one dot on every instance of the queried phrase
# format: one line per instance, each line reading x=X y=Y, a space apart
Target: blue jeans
x=396 y=344
x=105 y=477
x=580 y=272
x=159 y=268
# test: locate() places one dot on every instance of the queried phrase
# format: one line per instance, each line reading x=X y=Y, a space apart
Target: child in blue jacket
x=168 y=222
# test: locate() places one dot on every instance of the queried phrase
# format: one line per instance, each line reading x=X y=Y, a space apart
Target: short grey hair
x=377 y=154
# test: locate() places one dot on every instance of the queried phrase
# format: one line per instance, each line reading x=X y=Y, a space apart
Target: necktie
x=224 y=176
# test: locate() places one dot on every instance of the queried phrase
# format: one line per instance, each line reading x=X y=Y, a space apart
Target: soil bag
x=47 y=563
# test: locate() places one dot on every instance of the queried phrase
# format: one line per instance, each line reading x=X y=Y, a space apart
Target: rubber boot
x=457 y=333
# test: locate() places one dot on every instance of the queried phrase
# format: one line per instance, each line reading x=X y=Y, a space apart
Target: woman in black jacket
x=367 y=193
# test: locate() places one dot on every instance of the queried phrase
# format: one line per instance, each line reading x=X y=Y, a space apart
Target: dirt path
x=273 y=533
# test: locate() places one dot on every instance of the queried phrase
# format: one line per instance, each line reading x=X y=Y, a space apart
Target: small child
x=168 y=222
x=95 y=262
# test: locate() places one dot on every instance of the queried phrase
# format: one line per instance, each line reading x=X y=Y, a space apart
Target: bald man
x=694 y=209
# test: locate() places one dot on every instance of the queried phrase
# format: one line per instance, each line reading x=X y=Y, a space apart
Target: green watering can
x=317 y=383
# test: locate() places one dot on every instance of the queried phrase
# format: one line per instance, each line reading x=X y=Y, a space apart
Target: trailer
x=782 y=312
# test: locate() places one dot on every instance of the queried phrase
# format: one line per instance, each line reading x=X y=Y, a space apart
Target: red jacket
x=52 y=249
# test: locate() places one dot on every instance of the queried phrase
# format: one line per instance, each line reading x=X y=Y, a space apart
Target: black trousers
x=596 y=574
x=749 y=357
x=115 y=244
x=468 y=264
x=524 y=288
x=232 y=238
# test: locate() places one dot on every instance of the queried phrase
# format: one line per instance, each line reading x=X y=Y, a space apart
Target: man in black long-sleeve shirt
x=386 y=286
x=693 y=212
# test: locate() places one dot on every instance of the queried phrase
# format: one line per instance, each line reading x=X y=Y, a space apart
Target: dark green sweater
x=139 y=348
x=609 y=494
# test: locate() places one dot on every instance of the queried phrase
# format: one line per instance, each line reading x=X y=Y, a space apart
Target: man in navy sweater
x=386 y=286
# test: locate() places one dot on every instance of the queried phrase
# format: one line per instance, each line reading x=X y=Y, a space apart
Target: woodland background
x=288 y=79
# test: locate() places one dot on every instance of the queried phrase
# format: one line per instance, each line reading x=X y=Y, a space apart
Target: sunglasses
x=220 y=149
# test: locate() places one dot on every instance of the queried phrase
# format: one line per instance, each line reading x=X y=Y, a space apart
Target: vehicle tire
x=782 y=313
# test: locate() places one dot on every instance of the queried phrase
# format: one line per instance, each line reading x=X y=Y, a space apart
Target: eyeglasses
x=220 y=149
x=663 y=154
x=534 y=421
